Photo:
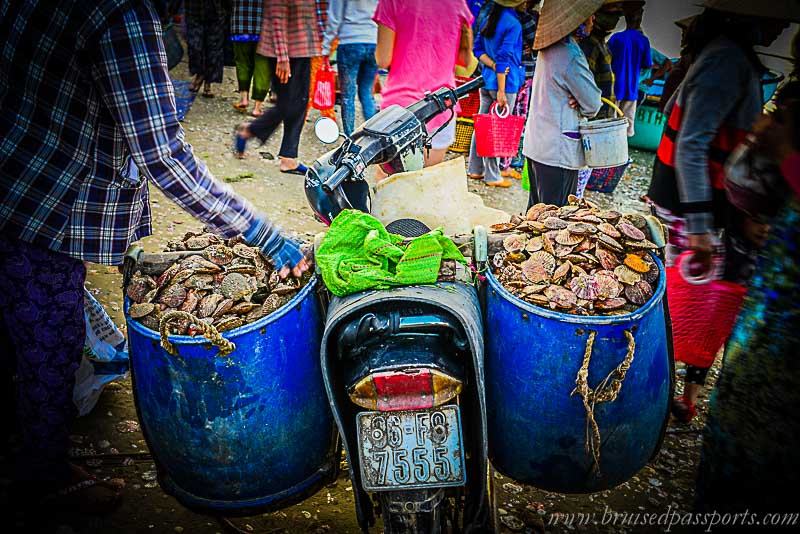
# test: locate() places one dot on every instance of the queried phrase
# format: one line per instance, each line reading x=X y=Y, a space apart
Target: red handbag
x=324 y=88
x=703 y=314
x=497 y=134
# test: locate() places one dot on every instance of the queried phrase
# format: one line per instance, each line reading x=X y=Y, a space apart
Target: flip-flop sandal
x=195 y=88
x=207 y=94
x=241 y=108
x=239 y=144
x=500 y=183
x=300 y=170
x=475 y=176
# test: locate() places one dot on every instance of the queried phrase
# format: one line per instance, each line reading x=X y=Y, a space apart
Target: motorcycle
x=403 y=368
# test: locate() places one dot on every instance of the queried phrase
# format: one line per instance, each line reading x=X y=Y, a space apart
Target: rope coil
x=209 y=332
x=606 y=391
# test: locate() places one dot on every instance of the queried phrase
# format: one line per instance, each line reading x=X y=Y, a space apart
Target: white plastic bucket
x=605 y=142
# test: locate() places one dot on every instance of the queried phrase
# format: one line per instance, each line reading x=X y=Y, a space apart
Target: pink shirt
x=428 y=34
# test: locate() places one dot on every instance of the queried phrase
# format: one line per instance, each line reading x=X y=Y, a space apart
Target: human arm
x=280 y=29
x=135 y=88
x=385 y=47
x=578 y=81
x=335 y=17
x=465 y=45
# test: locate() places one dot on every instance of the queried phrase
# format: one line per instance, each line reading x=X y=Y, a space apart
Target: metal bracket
x=481 y=242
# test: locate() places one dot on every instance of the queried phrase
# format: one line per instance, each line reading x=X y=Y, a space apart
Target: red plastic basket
x=497 y=135
x=703 y=314
x=471 y=103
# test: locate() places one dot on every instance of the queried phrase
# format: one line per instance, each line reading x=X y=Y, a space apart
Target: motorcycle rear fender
x=460 y=301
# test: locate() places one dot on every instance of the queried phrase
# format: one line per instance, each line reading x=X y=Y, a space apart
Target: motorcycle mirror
x=326 y=130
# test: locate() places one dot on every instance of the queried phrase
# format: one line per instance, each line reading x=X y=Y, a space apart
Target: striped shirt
x=291 y=28
x=87 y=119
x=599 y=58
x=246 y=19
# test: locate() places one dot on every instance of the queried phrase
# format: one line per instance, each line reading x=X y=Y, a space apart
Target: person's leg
x=243 y=56
x=569 y=184
x=294 y=101
x=367 y=70
x=265 y=125
x=261 y=79
x=41 y=295
x=629 y=109
x=492 y=165
x=533 y=191
x=214 y=46
x=554 y=184
x=195 y=40
x=347 y=59
x=440 y=142
x=475 y=168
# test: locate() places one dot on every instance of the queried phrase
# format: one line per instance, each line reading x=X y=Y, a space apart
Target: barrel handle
x=606 y=391
x=209 y=331
x=613 y=106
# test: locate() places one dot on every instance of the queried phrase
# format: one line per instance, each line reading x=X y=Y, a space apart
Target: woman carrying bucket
x=707 y=120
x=564 y=90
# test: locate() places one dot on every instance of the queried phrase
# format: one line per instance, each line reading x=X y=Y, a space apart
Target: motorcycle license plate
x=411 y=450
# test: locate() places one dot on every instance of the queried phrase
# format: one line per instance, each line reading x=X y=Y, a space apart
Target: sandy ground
x=665 y=484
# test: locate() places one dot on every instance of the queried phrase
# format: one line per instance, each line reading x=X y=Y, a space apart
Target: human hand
x=702 y=246
x=283 y=71
x=573 y=103
x=284 y=253
x=502 y=100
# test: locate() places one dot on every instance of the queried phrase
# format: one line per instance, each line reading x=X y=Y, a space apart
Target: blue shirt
x=630 y=53
x=505 y=49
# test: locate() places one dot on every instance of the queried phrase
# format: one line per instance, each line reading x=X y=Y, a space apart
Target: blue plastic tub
x=537 y=430
x=245 y=433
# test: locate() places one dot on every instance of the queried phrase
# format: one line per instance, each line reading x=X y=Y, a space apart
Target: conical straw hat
x=788 y=10
x=559 y=18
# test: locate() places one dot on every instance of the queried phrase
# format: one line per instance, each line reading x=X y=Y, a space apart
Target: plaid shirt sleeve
x=130 y=74
x=280 y=27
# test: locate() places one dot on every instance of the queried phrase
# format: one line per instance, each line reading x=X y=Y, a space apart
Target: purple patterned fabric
x=42 y=332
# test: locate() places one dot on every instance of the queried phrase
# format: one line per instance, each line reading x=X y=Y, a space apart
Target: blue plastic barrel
x=244 y=433
x=537 y=429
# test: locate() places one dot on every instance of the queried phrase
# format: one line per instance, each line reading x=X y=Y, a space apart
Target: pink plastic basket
x=703 y=313
x=497 y=134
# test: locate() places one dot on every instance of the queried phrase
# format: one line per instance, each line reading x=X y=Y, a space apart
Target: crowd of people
x=74 y=172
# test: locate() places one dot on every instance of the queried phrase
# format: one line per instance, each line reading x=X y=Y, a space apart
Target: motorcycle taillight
x=407 y=389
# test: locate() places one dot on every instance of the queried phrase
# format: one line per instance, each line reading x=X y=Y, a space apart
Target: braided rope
x=606 y=391
x=208 y=331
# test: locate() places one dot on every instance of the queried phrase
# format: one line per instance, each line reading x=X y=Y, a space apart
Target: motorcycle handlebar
x=462 y=90
x=336 y=179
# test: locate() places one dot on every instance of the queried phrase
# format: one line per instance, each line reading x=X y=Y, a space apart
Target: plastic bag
x=105 y=355
x=324 y=88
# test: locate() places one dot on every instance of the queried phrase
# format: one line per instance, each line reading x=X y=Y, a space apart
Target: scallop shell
x=610 y=304
x=636 y=263
x=608 y=285
x=609 y=230
x=585 y=287
x=219 y=254
x=535 y=211
x=630 y=231
x=609 y=215
x=562 y=271
x=561 y=297
x=540 y=300
x=651 y=276
x=626 y=275
x=502 y=227
x=607 y=259
x=639 y=293
x=514 y=243
x=532 y=289
x=208 y=304
x=547 y=245
x=516 y=257
x=563 y=251
x=567 y=238
x=539 y=267
x=534 y=245
x=554 y=223
x=585 y=245
x=643 y=244
x=636 y=220
x=499 y=259
x=173 y=296
x=137 y=311
x=582 y=228
x=610 y=243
